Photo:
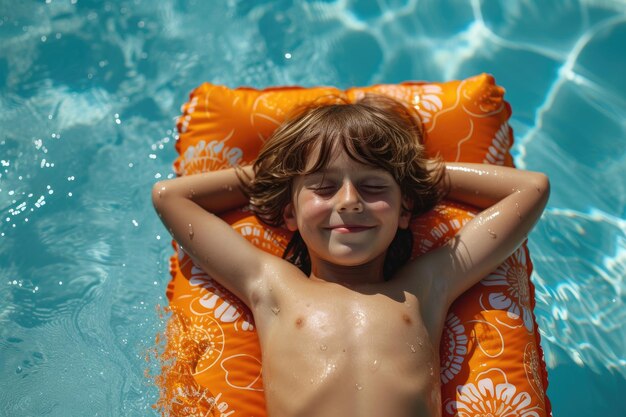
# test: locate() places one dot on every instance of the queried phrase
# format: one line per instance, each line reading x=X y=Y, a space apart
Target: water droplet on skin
x=192 y=193
x=162 y=189
x=432 y=371
x=275 y=310
x=358 y=387
x=190 y=232
x=412 y=347
x=420 y=343
x=323 y=347
x=311 y=380
x=492 y=234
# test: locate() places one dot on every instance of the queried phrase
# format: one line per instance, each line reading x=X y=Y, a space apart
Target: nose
x=349 y=200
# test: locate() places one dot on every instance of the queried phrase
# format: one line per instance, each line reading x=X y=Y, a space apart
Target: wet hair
x=376 y=131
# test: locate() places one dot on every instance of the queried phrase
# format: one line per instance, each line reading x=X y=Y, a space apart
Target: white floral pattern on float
x=532 y=367
x=499 y=147
x=211 y=156
x=515 y=298
x=233 y=378
x=262 y=238
x=454 y=343
x=209 y=335
x=210 y=297
x=428 y=102
x=188 y=110
x=426 y=99
x=488 y=399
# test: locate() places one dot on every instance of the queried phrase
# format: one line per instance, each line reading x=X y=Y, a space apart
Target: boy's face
x=348 y=213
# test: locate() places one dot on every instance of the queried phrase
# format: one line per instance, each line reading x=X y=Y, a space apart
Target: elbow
x=541 y=183
x=159 y=191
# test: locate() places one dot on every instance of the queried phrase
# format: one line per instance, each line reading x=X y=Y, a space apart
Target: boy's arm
x=186 y=206
x=513 y=201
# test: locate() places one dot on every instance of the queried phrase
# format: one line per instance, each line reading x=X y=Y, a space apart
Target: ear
x=289 y=217
x=405 y=215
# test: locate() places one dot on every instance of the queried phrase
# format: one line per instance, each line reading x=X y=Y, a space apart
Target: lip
x=350 y=228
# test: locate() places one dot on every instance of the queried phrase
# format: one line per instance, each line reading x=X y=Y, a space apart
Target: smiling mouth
x=350 y=229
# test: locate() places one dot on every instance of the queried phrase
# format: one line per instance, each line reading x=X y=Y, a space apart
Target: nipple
x=492 y=234
x=190 y=231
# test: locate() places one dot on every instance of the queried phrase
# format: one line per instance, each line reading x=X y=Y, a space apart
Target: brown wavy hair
x=376 y=131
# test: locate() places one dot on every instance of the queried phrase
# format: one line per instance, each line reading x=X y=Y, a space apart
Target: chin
x=352 y=258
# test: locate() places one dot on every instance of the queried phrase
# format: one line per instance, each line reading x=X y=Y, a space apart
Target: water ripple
x=88 y=95
x=580 y=304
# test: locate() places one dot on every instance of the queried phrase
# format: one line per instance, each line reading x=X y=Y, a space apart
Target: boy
x=350 y=327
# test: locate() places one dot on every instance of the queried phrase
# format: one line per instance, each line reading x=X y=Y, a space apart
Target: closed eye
x=324 y=190
x=374 y=187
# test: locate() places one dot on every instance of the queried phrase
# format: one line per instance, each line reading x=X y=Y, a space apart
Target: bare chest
x=340 y=346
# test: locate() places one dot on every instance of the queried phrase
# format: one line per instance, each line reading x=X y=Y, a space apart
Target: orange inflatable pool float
x=491 y=360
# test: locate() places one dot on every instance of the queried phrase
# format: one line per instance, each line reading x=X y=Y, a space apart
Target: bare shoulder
x=443 y=274
x=219 y=250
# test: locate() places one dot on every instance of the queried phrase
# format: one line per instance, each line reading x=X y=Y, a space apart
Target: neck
x=368 y=273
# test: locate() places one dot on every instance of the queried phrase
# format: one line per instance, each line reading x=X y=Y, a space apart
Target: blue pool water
x=89 y=91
